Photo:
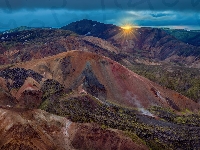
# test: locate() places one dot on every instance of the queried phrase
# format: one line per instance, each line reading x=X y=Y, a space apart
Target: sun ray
x=127 y=30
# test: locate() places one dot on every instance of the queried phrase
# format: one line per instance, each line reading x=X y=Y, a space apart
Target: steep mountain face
x=143 y=42
x=107 y=80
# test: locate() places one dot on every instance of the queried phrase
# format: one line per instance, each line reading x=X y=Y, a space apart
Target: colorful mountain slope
x=88 y=88
x=107 y=80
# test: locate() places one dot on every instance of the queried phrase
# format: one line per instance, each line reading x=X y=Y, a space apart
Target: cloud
x=54 y=18
x=57 y=13
x=153 y=5
x=165 y=18
x=159 y=15
x=61 y=17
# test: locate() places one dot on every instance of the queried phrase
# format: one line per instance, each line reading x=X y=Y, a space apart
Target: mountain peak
x=90 y=28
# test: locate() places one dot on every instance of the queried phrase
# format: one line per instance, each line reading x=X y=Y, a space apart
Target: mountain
x=158 y=49
x=22 y=28
x=151 y=43
x=106 y=80
x=21 y=46
x=71 y=88
x=187 y=36
x=92 y=28
x=144 y=43
x=106 y=105
x=38 y=43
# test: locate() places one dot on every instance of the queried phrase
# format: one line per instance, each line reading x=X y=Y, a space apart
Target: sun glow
x=127 y=27
x=127 y=30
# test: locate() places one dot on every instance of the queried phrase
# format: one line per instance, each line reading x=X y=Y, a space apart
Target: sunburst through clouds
x=127 y=35
x=127 y=30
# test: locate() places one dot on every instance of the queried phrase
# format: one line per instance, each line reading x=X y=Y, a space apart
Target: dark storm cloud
x=57 y=13
x=61 y=17
x=156 y=5
x=158 y=15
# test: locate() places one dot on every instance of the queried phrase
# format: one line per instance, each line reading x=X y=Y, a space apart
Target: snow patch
x=94 y=25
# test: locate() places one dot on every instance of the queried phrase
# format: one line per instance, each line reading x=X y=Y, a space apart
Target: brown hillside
x=36 y=129
x=107 y=80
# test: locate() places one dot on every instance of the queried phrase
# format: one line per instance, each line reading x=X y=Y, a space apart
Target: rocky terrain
x=151 y=43
x=38 y=43
x=20 y=45
x=36 y=129
x=80 y=87
x=105 y=79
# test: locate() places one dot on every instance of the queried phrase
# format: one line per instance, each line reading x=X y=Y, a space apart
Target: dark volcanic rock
x=19 y=75
x=92 y=85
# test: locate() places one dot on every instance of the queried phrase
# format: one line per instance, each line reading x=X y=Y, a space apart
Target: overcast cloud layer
x=177 y=5
x=57 y=13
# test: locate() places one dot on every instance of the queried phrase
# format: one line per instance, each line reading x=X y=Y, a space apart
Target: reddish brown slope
x=144 y=42
x=35 y=44
x=36 y=129
x=107 y=79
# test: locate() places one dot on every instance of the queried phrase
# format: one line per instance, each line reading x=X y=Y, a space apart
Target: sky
x=183 y=14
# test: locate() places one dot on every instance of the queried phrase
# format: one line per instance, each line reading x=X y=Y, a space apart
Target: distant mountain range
x=191 y=37
x=152 y=43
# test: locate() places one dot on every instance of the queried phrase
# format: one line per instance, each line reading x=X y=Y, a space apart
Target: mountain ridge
x=148 y=42
x=104 y=69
